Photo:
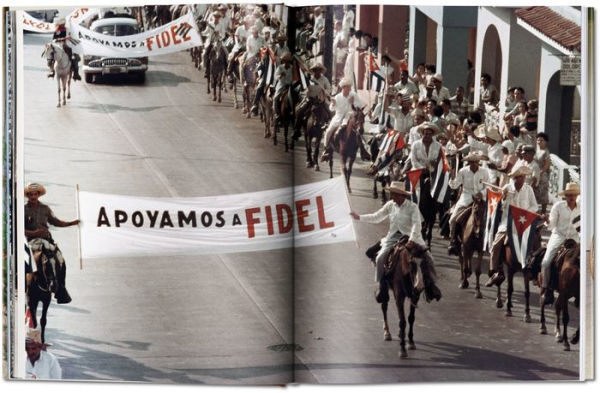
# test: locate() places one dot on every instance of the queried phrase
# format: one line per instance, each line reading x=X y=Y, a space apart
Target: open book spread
x=264 y=194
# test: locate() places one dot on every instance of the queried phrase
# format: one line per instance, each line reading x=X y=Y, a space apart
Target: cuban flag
x=412 y=177
x=377 y=77
x=392 y=142
x=494 y=216
x=299 y=77
x=440 y=191
x=268 y=57
x=521 y=230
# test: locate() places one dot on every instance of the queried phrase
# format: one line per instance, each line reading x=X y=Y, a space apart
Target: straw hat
x=281 y=38
x=509 y=146
x=431 y=126
x=418 y=112
x=494 y=133
x=521 y=171
x=34 y=336
x=399 y=187
x=570 y=189
x=286 y=57
x=254 y=29
x=31 y=187
x=527 y=149
x=438 y=77
x=474 y=157
x=480 y=131
x=345 y=82
x=248 y=19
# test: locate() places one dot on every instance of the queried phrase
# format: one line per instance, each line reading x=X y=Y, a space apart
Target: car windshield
x=117 y=30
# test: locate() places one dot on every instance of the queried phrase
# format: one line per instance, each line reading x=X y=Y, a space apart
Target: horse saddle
x=399 y=254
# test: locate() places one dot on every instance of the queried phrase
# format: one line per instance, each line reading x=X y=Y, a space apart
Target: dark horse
x=314 y=126
x=565 y=278
x=40 y=284
x=217 y=66
x=470 y=230
x=427 y=206
x=347 y=141
x=513 y=266
x=285 y=117
x=400 y=275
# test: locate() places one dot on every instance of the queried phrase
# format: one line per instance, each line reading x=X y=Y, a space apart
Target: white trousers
x=554 y=244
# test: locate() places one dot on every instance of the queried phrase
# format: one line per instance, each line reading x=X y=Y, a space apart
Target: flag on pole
x=413 y=177
x=377 y=76
x=494 y=216
x=440 y=190
x=577 y=223
x=521 y=231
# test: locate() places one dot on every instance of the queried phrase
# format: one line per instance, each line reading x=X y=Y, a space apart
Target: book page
x=160 y=165
x=448 y=95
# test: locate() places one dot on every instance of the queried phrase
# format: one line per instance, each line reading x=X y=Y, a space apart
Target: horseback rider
x=280 y=48
x=61 y=36
x=405 y=220
x=37 y=218
x=342 y=103
x=240 y=37
x=283 y=78
x=519 y=194
x=215 y=30
x=253 y=45
x=472 y=179
x=316 y=93
x=425 y=152
x=563 y=222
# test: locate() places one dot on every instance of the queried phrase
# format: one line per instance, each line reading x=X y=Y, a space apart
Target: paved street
x=224 y=319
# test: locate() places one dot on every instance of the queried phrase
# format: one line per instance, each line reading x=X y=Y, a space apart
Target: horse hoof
x=543 y=330
x=235 y=106
x=214 y=98
x=219 y=100
x=317 y=169
x=464 y=284
x=478 y=295
x=349 y=190
x=403 y=354
x=559 y=338
x=566 y=346
x=58 y=105
x=508 y=313
x=309 y=164
x=387 y=336
x=375 y=196
x=499 y=303
x=527 y=318
x=411 y=345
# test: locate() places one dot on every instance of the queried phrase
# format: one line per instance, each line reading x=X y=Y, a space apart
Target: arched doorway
x=563 y=120
x=491 y=59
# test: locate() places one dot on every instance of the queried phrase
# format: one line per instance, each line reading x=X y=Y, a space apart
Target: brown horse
x=217 y=66
x=347 y=141
x=470 y=235
x=513 y=266
x=568 y=287
x=565 y=278
x=400 y=277
x=285 y=118
x=313 y=130
x=249 y=80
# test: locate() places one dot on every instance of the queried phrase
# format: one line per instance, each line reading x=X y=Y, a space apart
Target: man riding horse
x=61 y=36
x=519 y=194
x=564 y=220
x=472 y=180
x=283 y=80
x=316 y=94
x=404 y=220
x=37 y=218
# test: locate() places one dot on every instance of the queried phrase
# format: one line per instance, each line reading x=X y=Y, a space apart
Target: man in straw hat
x=400 y=112
x=37 y=218
x=342 y=103
x=316 y=94
x=280 y=48
x=283 y=80
x=564 y=220
x=472 y=179
x=494 y=153
x=40 y=363
x=404 y=220
x=517 y=193
x=61 y=36
x=425 y=152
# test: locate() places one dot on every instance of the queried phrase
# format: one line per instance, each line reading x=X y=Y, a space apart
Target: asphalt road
x=232 y=319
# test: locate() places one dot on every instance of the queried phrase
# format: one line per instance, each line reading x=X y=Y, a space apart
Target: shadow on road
x=165 y=78
x=112 y=108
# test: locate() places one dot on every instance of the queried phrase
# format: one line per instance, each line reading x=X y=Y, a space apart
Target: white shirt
x=402 y=122
x=405 y=218
x=477 y=145
x=420 y=158
x=319 y=25
x=253 y=45
x=561 y=220
x=241 y=35
x=443 y=94
x=321 y=85
x=495 y=156
x=46 y=367
x=408 y=88
x=283 y=76
x=448 y=117
x=524 y=199
x=535 y=169
x=472 y=184
x=414 y=135
x=342 y=105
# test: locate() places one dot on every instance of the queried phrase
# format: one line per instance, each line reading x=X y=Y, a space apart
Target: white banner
x=307 y=215
x=30 y=23
x=175 y=36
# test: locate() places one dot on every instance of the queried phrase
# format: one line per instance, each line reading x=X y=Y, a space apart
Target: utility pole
x=291 y=29
x=328 y=42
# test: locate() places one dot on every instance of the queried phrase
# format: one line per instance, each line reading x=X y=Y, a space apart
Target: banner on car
x=121 y=226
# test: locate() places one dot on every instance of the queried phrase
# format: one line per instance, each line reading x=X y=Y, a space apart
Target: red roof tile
x=553 y=25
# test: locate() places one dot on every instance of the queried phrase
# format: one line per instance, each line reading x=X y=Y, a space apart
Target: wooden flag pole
x=79 y=227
